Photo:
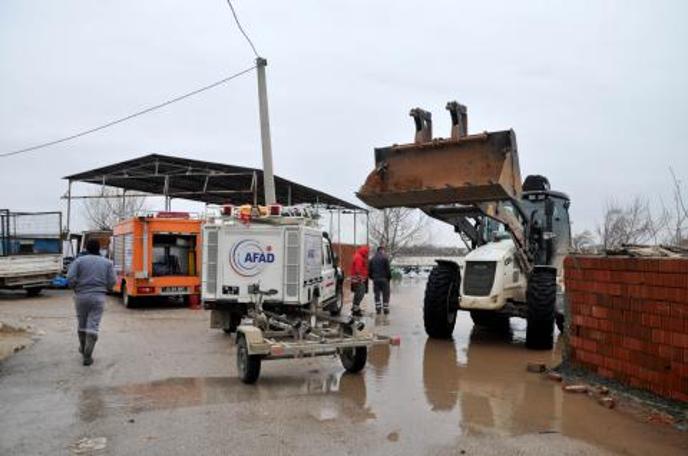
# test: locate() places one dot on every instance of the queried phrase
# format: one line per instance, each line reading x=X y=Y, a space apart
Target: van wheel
x=248 y=366
x=337 y=304
x=441 y=301
x=234 y=322
x=541 y=297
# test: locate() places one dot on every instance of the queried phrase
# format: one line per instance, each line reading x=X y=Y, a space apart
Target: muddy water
x=164 y=380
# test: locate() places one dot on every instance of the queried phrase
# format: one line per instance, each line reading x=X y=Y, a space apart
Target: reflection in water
x=440 y=374
x=172 y=393
x=353 y=387
x=492 y=387
x=496 y=392
x=378 y=358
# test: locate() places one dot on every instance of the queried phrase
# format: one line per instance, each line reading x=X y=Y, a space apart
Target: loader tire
x=541 y=297
x=559 y=319
x=441 y=300
x=248 y=366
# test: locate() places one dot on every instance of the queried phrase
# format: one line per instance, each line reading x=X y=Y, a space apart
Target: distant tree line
x=638 y=222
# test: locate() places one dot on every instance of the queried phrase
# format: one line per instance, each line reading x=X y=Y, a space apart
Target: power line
x=129 y=117
x=241 y=29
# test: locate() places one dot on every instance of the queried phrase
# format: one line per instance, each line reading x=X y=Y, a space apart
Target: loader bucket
x=466 y=170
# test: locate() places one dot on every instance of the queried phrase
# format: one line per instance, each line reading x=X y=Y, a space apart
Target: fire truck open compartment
x=174 y=255
x=157 y=256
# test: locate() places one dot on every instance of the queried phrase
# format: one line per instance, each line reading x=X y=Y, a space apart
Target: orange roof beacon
x=158 y=255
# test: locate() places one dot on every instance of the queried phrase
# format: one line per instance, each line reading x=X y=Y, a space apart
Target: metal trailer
x=301 y=333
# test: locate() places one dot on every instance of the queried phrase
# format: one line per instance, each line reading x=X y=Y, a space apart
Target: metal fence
x=25 y=233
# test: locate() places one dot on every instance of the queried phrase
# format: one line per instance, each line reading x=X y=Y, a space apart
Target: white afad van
x=288 y=256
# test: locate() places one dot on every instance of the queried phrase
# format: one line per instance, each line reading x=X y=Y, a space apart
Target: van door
x=328 y=287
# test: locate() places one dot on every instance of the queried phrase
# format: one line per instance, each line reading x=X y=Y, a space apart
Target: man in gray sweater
x=91 y=276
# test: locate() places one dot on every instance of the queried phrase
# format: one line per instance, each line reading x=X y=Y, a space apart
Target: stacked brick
x=629 y=320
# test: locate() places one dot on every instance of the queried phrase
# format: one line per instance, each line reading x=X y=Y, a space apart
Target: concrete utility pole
x=268 y=177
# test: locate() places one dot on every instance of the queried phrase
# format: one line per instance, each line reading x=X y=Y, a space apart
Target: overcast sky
x=597 y=91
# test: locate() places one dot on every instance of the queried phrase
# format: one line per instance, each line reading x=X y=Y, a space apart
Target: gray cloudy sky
x=595 y=90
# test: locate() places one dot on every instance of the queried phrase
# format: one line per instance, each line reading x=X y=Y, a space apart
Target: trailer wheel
x=541 y=296
x=354 y=359
x=33 y=291
x=441 y=300
x=248 y=366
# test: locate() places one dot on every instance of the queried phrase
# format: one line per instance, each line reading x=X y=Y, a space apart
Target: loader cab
x=549 y=226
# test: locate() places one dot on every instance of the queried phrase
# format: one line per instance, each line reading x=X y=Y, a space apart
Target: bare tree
x=103 y=213
x=397 y=228
x=679 y=214
x=583 y=242
x=630 y=224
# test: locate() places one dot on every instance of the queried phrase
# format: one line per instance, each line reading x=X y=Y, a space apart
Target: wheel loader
x=518 y=233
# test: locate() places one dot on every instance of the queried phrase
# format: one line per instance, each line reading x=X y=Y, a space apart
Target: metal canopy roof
x=202 y=181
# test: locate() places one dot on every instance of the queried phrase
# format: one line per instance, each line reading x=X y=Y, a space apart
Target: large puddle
x=476 y=384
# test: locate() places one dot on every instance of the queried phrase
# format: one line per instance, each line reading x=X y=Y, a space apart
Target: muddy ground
x=164 y=383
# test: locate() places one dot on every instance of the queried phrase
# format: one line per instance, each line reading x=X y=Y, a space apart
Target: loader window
x=174 y=254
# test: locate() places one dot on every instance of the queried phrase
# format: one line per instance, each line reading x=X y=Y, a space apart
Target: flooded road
x=163 y=383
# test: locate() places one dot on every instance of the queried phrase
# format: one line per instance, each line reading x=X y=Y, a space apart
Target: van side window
x=327 y=254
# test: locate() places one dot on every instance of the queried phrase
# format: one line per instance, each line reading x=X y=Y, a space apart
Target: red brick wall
x=629 y=320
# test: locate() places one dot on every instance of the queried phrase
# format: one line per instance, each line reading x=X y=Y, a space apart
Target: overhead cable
x=241 y=29
x=129 y=117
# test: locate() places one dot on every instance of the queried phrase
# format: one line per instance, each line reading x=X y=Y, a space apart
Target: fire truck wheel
x=354 y=359
x=128 y=301
x=248 y=366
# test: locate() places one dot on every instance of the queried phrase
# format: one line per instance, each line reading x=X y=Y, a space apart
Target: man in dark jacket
x=381 y=273
x=91 y=276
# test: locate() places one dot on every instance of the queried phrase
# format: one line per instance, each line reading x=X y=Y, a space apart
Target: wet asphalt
x=163 y=383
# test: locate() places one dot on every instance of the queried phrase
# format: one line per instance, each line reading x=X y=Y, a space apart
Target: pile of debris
x=640 y=251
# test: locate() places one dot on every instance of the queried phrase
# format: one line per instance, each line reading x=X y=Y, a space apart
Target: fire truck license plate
x=174 y=290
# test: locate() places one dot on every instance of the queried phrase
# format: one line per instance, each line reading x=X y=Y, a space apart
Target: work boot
x=82 y=341
x=89 y=345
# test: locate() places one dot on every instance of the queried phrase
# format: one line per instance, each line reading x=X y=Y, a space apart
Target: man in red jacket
x=359 y=278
